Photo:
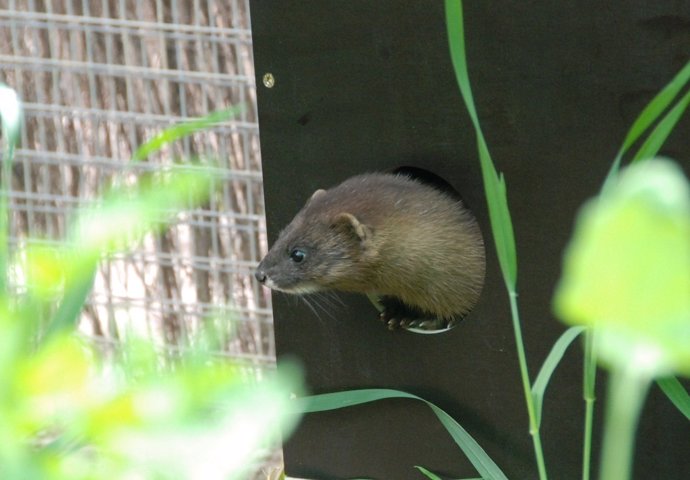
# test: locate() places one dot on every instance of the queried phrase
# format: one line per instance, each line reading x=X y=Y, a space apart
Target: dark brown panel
x=362 y=86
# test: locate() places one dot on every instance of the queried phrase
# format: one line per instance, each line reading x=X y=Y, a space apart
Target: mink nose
x=260 y=275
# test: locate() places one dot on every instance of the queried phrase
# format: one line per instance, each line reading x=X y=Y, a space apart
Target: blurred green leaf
x=53 y=383
x=475 y=454
x=199 y=419
x=110 y=225
x=626 y=270
x=10 y=121
x=184 y=129
x=72 y=303
x=12 y=339
x=494 y=184
x=10 y=115
x=550 y=364
x=122 y=218
x=125 y=215
x=66 y=412
x=675 y=391
x=221 y=444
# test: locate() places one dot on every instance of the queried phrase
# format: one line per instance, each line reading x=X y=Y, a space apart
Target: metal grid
x=98 y=78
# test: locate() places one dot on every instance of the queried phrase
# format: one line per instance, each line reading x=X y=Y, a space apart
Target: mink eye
x=298 y=255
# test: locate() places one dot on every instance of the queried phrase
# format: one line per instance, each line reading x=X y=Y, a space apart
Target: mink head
x=322 y=248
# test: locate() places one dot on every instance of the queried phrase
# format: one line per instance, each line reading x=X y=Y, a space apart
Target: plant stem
x=526 y=384
x=626 y=392
x=589 y=380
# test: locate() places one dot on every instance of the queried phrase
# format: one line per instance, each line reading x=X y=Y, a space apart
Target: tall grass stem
x=526 y=385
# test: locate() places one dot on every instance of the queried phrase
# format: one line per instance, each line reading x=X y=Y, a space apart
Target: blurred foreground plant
x=66 y=411
x=627 y=276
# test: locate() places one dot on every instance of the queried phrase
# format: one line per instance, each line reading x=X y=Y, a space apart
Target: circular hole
x=428 y=178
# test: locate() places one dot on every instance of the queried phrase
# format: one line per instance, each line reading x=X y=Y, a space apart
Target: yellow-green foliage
x=67 y=411
x=627 y=270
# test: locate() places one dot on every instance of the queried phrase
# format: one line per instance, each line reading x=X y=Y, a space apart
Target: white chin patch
x=301 y=289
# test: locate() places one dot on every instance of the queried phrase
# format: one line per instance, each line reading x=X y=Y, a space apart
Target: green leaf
x=182 y=130
x=550 y=364
x=497 y=201
x=494 y=184
x=661 y=132
x=651 y=113
x=433 y=476
x=475 y=454
x=675 y=391
x=626 y=270
x=427 y=473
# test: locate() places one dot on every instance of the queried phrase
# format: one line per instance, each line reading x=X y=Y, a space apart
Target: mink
x=415 y=247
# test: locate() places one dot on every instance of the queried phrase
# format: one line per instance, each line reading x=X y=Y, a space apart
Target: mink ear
x=349 y=222
x=316 y=195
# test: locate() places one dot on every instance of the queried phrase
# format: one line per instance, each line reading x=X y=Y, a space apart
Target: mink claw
x=408 y=323
x=390 y=320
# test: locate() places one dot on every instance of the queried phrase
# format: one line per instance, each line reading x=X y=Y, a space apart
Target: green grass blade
x=433 y=476
x=499 y=213
x=552 y=360
x=427 y=473
x=475 y=453
x=650 y=114
x=494 y=184
x=675 y=391
x=182 y=130
x=656 y=139
x=334 y=401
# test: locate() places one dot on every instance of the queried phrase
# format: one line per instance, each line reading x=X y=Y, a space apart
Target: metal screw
x=269 y=80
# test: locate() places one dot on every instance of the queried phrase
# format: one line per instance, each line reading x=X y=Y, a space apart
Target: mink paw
x=397 y=315
x=394 y=321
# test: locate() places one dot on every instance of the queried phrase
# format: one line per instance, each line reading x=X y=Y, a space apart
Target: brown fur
x=383 y=234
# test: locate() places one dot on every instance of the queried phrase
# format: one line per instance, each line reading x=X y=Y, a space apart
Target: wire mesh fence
x=98 y=78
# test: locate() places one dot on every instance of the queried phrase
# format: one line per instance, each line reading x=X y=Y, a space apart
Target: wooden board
x=363 y=86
